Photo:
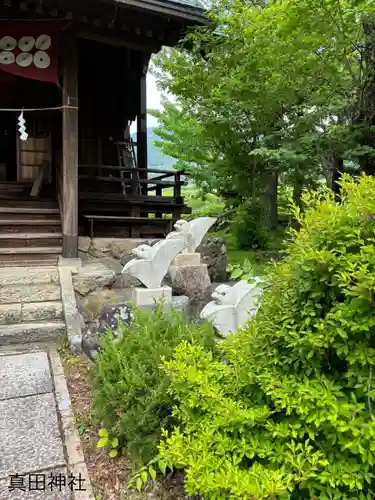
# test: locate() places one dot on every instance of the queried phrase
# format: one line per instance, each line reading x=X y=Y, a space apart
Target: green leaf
x=113 y=453
x=103 y=433
x=237 y=273
x=102 y=443
x=152 y=472
x=138 y=483
x=162 y=466
x=247 y=277
x=247 y=265
x=81 y=429
x=144 y=476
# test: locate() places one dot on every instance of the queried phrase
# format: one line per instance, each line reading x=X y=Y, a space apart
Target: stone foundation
x=212 y=250
x=99 y=282
x=117 y=248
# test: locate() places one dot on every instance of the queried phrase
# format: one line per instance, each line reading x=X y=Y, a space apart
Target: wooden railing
x=136 y=179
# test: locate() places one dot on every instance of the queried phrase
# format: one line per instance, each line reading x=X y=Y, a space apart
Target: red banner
x=29 y=50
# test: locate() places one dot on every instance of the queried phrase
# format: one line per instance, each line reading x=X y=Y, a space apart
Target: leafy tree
x=282 y=90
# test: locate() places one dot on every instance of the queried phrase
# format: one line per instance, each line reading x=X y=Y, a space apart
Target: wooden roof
x=187 y=10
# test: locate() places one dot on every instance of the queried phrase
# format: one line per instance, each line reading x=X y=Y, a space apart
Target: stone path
x=40 y=451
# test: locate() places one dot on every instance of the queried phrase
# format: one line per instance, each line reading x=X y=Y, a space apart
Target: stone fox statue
x=192 y=232
x=232 y=306
x=151 y=263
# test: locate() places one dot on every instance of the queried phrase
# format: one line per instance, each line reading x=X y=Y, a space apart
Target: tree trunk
x=297 y=190
x=338 y=168
x=334 y=165
x=271 y=194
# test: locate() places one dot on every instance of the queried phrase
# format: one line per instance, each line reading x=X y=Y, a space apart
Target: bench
x=131 y=221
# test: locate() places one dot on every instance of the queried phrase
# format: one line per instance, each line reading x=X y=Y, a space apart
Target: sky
x=153 y=102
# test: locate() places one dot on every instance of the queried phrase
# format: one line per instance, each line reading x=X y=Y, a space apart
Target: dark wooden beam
x=69 y=216
x=142 y=114
x=115 y=42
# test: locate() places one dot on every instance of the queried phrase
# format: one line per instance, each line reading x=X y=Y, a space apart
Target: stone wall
x=213 y=252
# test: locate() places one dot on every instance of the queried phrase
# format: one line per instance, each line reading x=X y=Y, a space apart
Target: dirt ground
x=109 y=476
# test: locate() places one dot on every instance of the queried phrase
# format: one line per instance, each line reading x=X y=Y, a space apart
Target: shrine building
x=72 y=80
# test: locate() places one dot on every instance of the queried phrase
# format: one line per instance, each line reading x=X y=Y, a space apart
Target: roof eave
x=178 y=11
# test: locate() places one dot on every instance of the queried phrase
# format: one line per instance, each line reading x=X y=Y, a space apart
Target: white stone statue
x=151 y=263
x=192 y=232
x=232 y=306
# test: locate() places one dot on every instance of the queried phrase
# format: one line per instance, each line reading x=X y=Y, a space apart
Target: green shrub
x=250 y=226
x=130 y=388
x=287 y=412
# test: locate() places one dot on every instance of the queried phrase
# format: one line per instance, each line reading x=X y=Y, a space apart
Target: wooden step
x=22 y=221
x=28 y=210
x=18 y=242
x=30 y=260
x=29 y=236
x=44 y=203
x=31 y=250
x=13 y=187
x=27 y=229
x=5 y=184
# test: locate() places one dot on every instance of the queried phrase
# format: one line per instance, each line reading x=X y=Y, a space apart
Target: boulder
x=193 y=282
x=92 y=304
x=113 y=247
x=124 y=281
x=92 y=275
x=108 y=318
x=213 y=252
x=111 y=264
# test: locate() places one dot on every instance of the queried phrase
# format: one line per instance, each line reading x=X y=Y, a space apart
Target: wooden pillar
x=142 y=115
x=70 y=150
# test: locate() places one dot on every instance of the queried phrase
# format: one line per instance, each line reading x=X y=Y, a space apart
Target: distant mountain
x=156 y=158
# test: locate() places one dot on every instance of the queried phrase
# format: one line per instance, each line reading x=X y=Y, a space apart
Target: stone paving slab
x=29 y=435
x=31 y=482
x=37 y=431
x=24 y=375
